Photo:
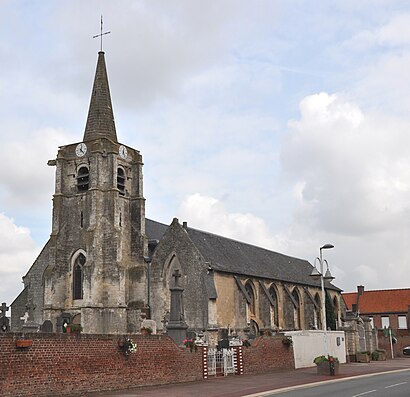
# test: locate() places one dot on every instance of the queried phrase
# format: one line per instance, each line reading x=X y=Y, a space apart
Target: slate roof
x=380 y=301
x=231 y=256
x=100 y=120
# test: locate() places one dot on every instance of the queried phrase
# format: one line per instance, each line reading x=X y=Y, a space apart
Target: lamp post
x=327 y=276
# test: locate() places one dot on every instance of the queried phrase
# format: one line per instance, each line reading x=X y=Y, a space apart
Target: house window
x=78 y=277
x=402 y=322
x=83 y=179
x=385 y=322
x=121 y=181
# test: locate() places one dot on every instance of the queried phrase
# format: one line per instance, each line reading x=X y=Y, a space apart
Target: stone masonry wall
x=267 y=354
x=60 y=364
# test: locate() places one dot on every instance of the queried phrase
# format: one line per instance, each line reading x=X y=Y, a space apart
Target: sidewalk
x=237 y=386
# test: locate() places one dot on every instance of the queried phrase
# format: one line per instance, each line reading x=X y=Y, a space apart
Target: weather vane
x=101 y=34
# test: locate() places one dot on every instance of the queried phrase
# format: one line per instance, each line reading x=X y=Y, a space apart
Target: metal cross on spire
x=101 y=34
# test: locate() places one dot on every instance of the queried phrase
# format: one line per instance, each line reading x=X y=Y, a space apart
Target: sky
x=284 y=124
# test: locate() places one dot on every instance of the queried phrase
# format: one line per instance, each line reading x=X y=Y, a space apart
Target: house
x=385 y=308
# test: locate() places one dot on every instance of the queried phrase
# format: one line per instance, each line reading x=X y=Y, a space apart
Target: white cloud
x=17 y=253
x=209 y=214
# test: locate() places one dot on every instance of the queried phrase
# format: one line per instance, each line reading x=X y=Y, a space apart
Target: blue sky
x=280 y=123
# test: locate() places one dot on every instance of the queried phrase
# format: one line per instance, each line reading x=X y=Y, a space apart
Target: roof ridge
x=378 y=290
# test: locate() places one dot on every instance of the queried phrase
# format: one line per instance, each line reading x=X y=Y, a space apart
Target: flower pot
x=362 y=358
x=23 y=343
x=326 y=368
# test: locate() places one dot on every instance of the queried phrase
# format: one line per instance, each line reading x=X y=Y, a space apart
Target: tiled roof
x=231 y=256
x=380 y=301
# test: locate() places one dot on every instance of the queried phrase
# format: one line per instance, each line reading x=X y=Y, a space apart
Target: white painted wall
x=309 y=344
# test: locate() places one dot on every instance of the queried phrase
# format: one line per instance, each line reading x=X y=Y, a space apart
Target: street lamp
x=327 y=276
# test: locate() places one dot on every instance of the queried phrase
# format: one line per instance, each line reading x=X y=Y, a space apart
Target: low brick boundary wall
x=267 y=354
x=63 y=364
x=403 y=340
x=58 y=364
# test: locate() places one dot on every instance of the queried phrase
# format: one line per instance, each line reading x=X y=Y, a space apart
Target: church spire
x=100 y=120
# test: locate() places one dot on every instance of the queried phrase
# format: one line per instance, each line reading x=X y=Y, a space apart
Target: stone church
x=107 y=267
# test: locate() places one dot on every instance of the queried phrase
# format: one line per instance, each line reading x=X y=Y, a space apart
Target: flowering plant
x=246 y=343
x=190 y=343
x=287 y=341
x=129 y=346
x=324 y=359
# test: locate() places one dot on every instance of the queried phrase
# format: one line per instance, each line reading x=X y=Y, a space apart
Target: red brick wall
x=403 y=340
x=267 y=354
x=58 y=364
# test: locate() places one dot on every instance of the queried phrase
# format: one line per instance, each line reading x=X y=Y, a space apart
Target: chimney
x=185 y=225
x=360 y=292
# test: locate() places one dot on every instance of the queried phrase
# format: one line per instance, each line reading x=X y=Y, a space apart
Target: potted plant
x=287 y=341
x=246 y=343
x=379 y=355
x=75 y=328
x=363 y=357
x=327 y=365
x=189 y=343
x=127 y=345
x=146 y=330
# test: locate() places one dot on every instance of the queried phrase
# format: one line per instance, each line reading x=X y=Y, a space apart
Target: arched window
x=274 y=315
x=336 y=309
x=83 y=181
x=317 y=320
x=78 y=277
x=296 y=309
x=121 y=181
x=251 y=294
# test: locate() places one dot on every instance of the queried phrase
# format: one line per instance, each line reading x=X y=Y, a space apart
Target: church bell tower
x=96 y=273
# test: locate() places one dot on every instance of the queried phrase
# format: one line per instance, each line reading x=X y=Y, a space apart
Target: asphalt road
x=393 y=384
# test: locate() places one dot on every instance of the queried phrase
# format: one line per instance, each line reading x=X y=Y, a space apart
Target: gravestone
x=4 y=321
x=150 y=324
x=30 y=325
x=62 y=321
x=177 y=327
x=47 y=326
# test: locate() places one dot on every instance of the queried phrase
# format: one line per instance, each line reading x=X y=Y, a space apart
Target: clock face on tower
x=123 y=152
x=81 y=149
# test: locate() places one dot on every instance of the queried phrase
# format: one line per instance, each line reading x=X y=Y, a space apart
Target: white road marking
x=366 y=392
x=397 y=384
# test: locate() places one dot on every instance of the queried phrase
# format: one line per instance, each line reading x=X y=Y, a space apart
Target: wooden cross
x=101 y=34
x=176 y=275
x=3 y=309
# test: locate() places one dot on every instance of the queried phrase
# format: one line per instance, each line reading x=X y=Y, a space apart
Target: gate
x=221 y=362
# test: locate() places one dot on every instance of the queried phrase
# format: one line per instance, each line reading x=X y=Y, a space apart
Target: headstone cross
x=30 y=309
x=176 y=275
x=101 y=34
x=4 y=309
